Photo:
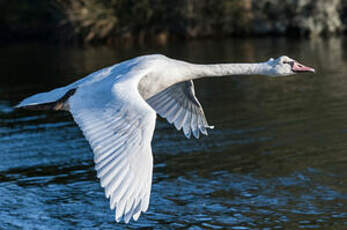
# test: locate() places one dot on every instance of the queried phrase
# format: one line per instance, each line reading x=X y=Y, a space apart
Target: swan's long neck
x=179 y=71
x=217 y=70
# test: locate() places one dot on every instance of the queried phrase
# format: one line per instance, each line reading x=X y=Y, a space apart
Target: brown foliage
x=109 y=20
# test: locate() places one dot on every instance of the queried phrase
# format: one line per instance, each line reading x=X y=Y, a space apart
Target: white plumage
x=116 y=110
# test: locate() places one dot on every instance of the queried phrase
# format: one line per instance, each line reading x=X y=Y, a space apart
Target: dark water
x=276 y=160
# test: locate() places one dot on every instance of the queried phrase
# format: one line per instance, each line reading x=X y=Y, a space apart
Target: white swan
x=116 y=110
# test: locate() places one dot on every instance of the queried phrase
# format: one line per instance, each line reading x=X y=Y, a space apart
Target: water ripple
x=276 y=159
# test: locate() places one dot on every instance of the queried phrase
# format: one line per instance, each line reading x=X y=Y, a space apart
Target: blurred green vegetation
x=139 y=20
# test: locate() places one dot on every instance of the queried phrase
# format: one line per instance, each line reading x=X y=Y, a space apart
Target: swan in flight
x=116 y=109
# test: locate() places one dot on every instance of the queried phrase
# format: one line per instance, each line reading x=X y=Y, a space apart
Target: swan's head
x=285 y=66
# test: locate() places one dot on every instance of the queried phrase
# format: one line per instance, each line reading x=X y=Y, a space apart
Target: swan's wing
x=179 y=105
x=54 y=95
x=119 y=127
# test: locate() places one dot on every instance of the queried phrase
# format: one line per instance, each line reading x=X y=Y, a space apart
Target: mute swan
x=116 y=109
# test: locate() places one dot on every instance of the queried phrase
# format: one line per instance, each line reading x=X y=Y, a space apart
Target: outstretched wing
x=119 y=126
x=49 y=99
x=179 y=105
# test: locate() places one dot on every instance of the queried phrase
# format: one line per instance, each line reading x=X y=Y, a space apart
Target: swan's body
x=116 y=110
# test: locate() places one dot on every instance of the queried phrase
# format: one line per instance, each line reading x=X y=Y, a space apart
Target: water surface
x=277 y=158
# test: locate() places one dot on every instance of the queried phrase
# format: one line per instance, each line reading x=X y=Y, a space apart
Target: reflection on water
x=276 y=159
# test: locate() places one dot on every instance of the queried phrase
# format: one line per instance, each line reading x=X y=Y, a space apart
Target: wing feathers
x=202 y=125
x=194 y=125
x=137 y=209
x=180 y=107
x=119 y=130
x=186 y=125
x=181 y=117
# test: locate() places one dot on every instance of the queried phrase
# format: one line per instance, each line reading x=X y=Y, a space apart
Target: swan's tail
x=52 y=100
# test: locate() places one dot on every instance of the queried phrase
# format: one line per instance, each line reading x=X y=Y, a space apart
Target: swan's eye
x=291 y=63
